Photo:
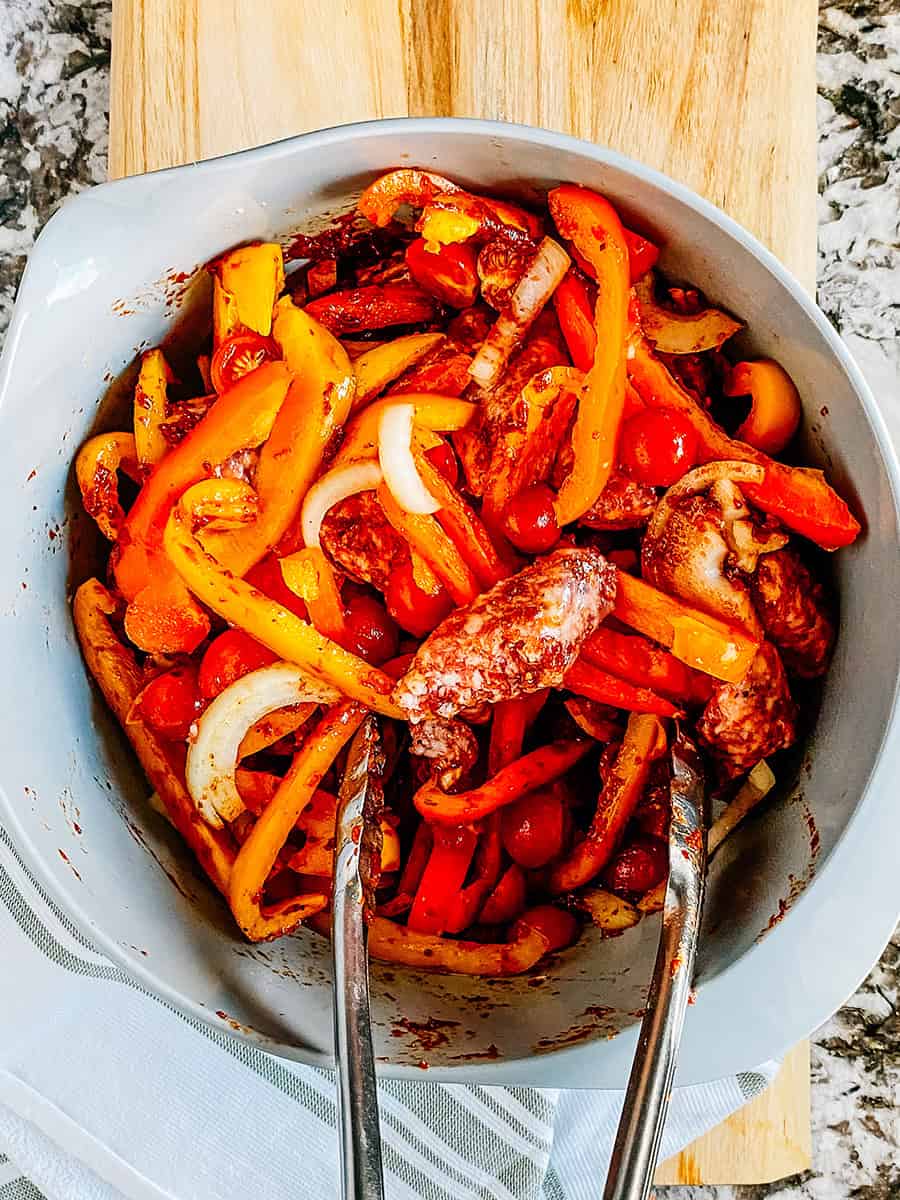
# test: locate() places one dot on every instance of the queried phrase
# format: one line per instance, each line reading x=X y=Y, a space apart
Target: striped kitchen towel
x=108 y=1092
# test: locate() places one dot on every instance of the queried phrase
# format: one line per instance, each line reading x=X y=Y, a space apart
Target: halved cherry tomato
x=657 y=447
x=638 y=867
x=559 y=927
x=372 y=633
x=534 y=828
x=231 y=656
x=170 y=703
x=445 y=461
x=507 y=900
x=237 y=356
x=529 y=520
x=416 y=611
x=448 y=272
x=267 y=578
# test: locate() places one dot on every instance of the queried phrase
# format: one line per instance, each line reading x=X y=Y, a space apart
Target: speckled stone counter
x=54 y=60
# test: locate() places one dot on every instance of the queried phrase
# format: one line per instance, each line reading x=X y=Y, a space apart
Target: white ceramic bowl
x=101 y=284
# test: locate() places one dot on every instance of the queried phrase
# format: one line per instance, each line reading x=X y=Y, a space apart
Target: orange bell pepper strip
x=463 y=525
x=442 y=879
x=524 y=775
x=260 y=851
x=150 y=394
x=428 y=539
x=246 y=283
x=799 y=497
x=407 y=185
x=594 y=683
x=96 y=469
x=643 y=744
x=121 y=681
x=161 y=616
x=775 y=411
x=310 y=575
x=285 y=634
x=317 y=403
x=642 y=662
x=704 y=642
x=576 y=320
x=591 y=223
x=529 y=942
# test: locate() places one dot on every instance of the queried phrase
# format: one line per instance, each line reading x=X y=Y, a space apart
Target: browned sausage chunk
x=357 y=535
x=521 y=636
x=794 y=612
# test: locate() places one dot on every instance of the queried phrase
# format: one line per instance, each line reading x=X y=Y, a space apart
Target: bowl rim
x=597 y=1063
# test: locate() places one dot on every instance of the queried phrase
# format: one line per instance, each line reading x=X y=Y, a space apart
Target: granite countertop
x=54 y=75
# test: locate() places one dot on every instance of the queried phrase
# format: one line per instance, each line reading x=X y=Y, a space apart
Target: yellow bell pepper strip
x=259 y=853
x=775 y=411
x=246 y=283
x=702 y=641
x=285 y=634
x=220 y=504
x=310 y=575
x=96 y=468
x=375 y=369
x=150 y=408
x=121 y=680
x=799 y=497
x=592 y=225
x=390 y=942
x=524 y=775
x=308 y=347
x=443 y=414
x=643 y=744
x=162 y=617
x=428 y=539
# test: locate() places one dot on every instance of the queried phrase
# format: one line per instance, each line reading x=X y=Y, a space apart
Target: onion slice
x=334 y=486
x=541 y=279
x=681 y=333
x=213 y=753
x=398 y=465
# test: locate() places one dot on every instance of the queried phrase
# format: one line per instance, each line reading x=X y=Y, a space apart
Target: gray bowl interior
x=100 y=286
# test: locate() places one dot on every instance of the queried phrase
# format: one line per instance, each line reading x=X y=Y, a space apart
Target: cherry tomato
x=372 y=633
x=529 y=520
x=444 y=460
x=638 y=867
x=267 y=578
x=507 y=899
x=656 y=447
x=534 y=828
x=558 y=926
x=416 y=611
x=448 y=273
x=238 y=356
x=170 y=703
x=230 y=656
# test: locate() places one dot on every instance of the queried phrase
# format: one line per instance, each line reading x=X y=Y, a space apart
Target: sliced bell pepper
x=161 y=616
x=285 y=634
x=246 y=283
x=459 y=216
x=447 y=272
x=448 y=865
x=642 y=253
x=591 y=223
x=511 y=721
x=529 y=942
x=375 y=306
x=317 y=403
x=642 y=662
x=310 y=575
x=775 y=411
x=585 y=679
x=150 y=408
x=508 y=898
x=576 y=320
x=798 y=496
x=440 y=413
x=704 y=642
x=524 y=775
x=96 y=469
x=643 y=744
x=428 y=539
x=407 y=185
x=375 y=369
x=260 y=851
x=411 y=875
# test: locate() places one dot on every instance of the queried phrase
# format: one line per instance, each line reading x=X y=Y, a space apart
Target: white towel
x=107 y=1092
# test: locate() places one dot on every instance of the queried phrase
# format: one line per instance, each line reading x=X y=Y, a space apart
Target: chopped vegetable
x=150 y=408
x=681 y=333
x=775 y=410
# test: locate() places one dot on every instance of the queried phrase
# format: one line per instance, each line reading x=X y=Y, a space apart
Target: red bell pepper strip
x=642 y=253
x=448 y=865
x=585 y=679
x=639 y=661
x=411 y=875
x=799 y=497
x=373 y=307
x=591 y=224
x=576 y=320
x=508 y=898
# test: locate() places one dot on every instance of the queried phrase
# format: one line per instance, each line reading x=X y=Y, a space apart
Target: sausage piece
x=794 y=612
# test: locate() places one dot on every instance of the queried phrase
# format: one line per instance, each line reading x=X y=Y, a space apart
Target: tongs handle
x=360 y=1135
x=638 y=1137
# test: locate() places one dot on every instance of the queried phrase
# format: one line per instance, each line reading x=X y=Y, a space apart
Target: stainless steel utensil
x=640 y=1129
x=356 y=861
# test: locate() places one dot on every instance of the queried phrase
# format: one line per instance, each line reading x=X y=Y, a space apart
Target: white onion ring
x=334 y=486
x=397 y=462
x=541 y=279
x=212 y=753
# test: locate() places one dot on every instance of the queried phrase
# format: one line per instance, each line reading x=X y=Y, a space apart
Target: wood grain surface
x=719 y=94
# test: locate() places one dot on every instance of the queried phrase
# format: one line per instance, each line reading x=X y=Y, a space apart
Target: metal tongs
x=638 y=1137
x=356 y=865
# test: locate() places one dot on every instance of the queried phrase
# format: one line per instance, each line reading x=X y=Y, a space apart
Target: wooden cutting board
x=719 y=95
